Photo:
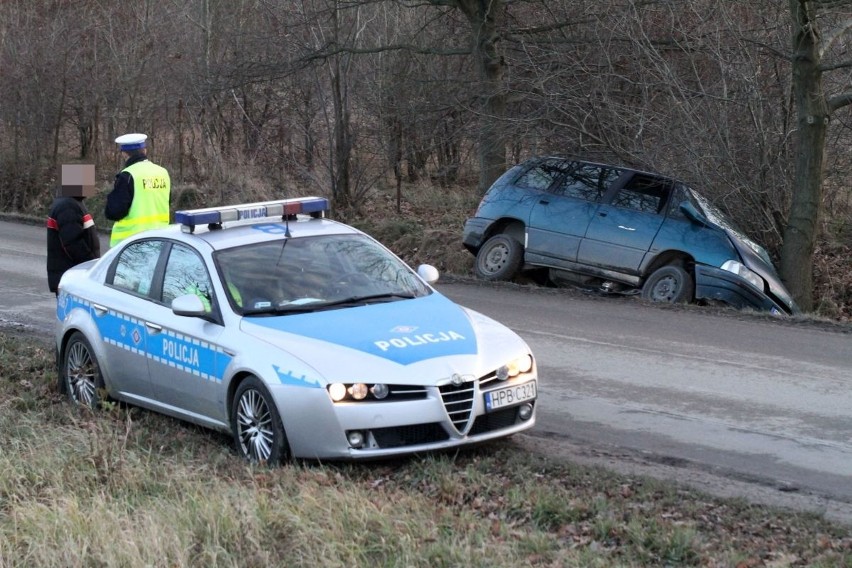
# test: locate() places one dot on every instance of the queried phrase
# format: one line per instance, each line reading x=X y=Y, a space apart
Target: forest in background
x=254 y=99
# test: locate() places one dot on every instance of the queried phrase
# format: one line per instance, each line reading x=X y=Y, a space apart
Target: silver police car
x=302 y=336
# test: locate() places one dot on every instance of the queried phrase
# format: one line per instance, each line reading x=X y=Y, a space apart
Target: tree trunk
x=486 y=18
x=800 y=233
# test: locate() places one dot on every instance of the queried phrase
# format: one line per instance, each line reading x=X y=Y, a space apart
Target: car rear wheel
x=499 y=258
x=670 y=284
x=258 y=431
x=81 y=373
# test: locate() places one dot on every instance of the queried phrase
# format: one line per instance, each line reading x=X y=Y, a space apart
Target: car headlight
x=515 y=367
x=380 y=391
x=740 y=270
x=357 y=391
x=337 y=391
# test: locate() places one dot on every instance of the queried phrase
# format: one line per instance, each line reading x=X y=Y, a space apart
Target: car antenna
x=286 y=216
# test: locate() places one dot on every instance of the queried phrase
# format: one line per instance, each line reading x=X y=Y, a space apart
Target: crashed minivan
x=621 y=230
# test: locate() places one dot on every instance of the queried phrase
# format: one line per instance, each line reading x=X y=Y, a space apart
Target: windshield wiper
x=351 y=301
x=283 y=310
x=363 y=300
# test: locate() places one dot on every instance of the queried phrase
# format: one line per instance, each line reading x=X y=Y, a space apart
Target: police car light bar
x=280 y=209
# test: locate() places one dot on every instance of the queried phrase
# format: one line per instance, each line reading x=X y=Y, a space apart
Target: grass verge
x=126 y=487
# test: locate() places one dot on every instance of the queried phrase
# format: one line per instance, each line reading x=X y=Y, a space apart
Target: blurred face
x=78 y=180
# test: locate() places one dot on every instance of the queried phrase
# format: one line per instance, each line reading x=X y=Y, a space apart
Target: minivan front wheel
x=499 y=258
x=670 y=284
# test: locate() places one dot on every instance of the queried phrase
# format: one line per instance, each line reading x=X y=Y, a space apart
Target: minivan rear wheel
x=670 y=284
x=499 y=258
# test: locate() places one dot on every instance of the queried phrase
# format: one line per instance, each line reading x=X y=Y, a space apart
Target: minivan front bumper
x=474 y=233
x=716 y=284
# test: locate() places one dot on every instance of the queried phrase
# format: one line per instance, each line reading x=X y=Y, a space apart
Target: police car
x=302 y=336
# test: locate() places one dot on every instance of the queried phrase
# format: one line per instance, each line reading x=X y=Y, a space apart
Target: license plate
x=508 y=396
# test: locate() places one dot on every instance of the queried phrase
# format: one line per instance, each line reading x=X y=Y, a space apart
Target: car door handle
x=602 y=213
x=626 y=228
x=544 y=202
x=100 y=310
x=153 y=328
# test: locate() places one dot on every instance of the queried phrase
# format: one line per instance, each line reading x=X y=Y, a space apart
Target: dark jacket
x=120 y=198
x=71 y=238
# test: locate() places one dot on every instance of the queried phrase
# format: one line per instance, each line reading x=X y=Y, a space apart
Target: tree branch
x=840 y=101
x=834 y=35
x=835 y=66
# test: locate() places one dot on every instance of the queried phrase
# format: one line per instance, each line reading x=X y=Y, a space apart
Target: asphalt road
x=737 y=404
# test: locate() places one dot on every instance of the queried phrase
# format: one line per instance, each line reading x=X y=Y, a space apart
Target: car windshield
x=716 y=216
x=298 y=275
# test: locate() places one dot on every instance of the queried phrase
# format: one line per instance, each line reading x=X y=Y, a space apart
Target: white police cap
x=131 y=141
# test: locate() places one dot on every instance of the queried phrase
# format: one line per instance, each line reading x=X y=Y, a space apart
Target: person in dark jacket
x=71 y=234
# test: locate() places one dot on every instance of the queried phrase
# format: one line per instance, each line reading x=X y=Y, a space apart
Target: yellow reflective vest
x=150 y=207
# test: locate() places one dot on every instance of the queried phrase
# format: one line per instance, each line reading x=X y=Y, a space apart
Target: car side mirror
x=188 y=305
x=428 y=273
x=693 y=215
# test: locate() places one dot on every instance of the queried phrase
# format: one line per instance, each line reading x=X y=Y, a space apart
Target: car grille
x=405 y=392
x=484 y=380
x=494 y=421
x=398 y=436
x=458 y=401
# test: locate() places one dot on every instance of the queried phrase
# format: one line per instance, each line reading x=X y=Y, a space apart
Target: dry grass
x=833 y=281
x=125 y=487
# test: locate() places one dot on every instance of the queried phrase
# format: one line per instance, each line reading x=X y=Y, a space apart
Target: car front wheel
x=670 y=284
x=258 y=431
x=499 y=258
x=81 y=374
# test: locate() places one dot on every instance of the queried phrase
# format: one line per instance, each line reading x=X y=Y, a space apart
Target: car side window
x=643 y=193
x=135 y=267
x=542 y=175
x=186 y=274
x=588 y=181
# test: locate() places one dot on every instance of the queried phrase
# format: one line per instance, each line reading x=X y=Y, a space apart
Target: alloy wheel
x=81 y=372
x=255 y=426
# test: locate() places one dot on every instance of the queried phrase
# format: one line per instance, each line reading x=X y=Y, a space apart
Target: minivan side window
x=588 y=181
x=643 y=193
x=678 y=196
x=542 y=175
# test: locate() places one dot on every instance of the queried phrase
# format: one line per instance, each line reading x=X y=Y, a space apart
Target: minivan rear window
x=542 y=175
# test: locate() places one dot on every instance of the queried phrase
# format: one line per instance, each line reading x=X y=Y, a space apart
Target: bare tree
x=486 y=19
x=244 y=97
x=811 y=59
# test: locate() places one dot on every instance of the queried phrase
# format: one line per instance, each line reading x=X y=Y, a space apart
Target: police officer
x=139 y=199
x=71 y=234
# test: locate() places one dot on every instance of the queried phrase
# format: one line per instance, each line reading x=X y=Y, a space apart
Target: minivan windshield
x=715 y=215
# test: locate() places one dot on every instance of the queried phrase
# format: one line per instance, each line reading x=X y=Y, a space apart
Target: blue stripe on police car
x=188 y=354
x=288 y=378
